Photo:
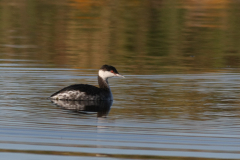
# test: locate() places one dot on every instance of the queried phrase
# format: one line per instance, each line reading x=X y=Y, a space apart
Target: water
x=179 y=100
x=183 y=115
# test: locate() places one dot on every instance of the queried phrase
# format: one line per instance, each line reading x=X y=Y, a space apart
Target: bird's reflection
x=101 y=107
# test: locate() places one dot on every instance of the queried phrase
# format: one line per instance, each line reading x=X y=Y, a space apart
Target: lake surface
x=179 y=100
x=152 y=116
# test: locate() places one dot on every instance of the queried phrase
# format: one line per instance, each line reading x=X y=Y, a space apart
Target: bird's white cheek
x=105 y=74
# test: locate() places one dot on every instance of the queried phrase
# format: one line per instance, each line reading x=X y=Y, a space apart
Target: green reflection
x=142 y=36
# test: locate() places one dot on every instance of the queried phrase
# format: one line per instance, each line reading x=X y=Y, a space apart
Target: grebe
x=89 y=92
x=101 y=107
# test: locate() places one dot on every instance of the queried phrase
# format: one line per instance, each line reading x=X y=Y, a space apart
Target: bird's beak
x=119 y=75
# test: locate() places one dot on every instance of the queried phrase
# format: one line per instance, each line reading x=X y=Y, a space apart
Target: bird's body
x=82 y=92
x=89 y=92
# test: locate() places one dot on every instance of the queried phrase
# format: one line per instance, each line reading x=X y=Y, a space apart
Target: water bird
x=84 y=107
x=89 y=92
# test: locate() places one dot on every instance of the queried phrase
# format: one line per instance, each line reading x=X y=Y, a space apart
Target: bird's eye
x=111 y=71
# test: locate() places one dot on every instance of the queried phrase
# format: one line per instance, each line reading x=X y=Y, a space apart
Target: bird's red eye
x=111 y=71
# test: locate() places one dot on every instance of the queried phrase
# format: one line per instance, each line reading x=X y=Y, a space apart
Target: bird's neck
x=103 y=83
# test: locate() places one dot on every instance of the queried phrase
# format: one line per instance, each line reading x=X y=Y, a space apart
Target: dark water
x=179 y=100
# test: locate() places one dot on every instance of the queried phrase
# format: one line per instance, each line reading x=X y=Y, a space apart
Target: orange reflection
x=205 y=13
x=85 y=5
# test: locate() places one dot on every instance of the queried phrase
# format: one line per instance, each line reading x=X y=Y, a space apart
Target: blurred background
x=180 y=97
x=142 y=36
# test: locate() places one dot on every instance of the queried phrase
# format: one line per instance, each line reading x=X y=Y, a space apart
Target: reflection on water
x=140 y=36
x=101 y=107
x=152 y=116
x=180 y=97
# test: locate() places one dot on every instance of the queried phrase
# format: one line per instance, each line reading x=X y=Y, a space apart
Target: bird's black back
x=88 y=89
